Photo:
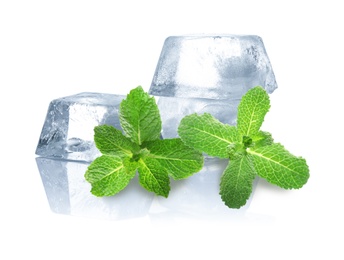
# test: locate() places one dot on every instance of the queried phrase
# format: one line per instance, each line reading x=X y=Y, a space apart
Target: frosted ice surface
x=68 y=128
x=198 y=74
x=69 y=193
x=214 y=67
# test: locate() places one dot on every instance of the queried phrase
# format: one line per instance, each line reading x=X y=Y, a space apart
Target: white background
x=50 y=49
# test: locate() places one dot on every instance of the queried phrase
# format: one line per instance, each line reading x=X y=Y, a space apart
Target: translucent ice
x=214 y=67
x=197 y=74
x=68 y=128
x=69 y=193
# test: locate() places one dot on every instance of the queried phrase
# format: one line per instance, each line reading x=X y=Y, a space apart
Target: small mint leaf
x=139 y=117
x=179 y=160
x=207 y=134
x=278 y=166
x=236 y=150
x=247 y=141
x=130 y=165
x=153 y=177
x=140 y=155
x=251 y=111
x=262 y=139
x=111 y=141
x=108 y=175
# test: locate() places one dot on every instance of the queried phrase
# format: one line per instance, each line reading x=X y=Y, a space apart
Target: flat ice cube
x=214 y=67
x=69 y=193
x=68 y=128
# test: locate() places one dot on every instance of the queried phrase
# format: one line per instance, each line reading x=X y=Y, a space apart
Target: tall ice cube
x=68 y=128
x=197 y=74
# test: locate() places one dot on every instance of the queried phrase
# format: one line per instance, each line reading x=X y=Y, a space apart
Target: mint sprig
x=251 y=151
x=139 y=149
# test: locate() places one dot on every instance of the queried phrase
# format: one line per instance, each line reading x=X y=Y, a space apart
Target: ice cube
x=198 y=74
x=68 y=128
x=69 y=193
x=214 y=67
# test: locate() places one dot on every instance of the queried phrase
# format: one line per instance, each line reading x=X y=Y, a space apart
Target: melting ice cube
x=197 y=74
x=68 y=128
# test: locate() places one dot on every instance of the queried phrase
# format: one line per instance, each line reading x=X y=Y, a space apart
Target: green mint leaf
x=262 y=139
x=153 y=177
x=139 y=148
x=278 y=166
x=108 y=175
x=139 y=117
x=111 y=141
x=247 y=141
x=179 y=160
x=207 y=134
x=251 y=111
x=235 y=150
x=130 y=165
x=236 y=181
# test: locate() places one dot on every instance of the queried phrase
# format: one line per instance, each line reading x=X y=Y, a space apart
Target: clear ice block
x=68 y=128
x=197 y=74
x=214 y=67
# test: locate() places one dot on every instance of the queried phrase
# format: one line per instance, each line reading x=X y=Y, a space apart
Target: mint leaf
x=111 y=141
x=179 y=160
x=236 y=181
x=278 y=166
x=139 y=149
x=139 y=117
x=251 y=111
x=262 y=139
x=108 y=175
x=207 y=134
x=153 y=177
x=236 y=150
x=250 y=151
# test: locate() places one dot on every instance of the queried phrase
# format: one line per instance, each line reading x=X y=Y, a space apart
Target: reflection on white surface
x=196 y=197
x=199 y=194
